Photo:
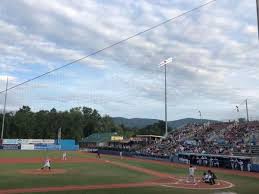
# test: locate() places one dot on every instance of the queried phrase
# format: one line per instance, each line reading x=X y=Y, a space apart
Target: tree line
x=77 y=123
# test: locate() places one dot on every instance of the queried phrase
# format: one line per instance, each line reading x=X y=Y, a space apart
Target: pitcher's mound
x=42 y=172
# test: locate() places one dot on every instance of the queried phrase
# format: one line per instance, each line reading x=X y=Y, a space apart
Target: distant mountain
x=142 y=122
x=134 y=122
x=182 y=122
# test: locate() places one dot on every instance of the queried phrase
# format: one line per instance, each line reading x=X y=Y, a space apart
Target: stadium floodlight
x=257 y=8
x=3 y=121
x=199 y=114
x=164 y=64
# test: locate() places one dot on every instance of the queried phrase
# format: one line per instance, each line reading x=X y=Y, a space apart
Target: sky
x=214 y=50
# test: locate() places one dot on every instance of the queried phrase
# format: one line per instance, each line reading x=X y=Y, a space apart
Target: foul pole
x=3 y=121
x=257 y=9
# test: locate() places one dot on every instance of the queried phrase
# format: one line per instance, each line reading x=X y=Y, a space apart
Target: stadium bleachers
x=222 y=138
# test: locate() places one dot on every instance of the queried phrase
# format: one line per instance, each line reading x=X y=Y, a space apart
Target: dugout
x=122 y=144
x=224 y=160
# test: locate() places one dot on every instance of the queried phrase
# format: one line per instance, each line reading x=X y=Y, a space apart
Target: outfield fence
x=39 y=144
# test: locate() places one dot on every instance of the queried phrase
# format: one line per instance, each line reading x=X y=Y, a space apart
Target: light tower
x=200 y=115
x=164 y=64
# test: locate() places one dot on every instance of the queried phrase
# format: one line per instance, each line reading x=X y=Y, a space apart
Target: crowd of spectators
x=218 y=138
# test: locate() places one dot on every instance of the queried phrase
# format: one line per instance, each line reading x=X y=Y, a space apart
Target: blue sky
x=215 y=53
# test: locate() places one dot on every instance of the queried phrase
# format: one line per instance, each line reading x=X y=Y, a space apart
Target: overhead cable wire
x=115 y=44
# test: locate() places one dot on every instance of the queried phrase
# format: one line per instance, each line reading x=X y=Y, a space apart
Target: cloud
x=214 y=51
x=250 y=29
x=4 y=78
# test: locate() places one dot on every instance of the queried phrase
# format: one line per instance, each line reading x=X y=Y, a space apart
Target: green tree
x=76 y=123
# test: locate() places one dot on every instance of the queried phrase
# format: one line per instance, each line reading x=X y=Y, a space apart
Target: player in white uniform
x=241 y=164
x=121 y=154
x=249 y=166
x=64 y=156
x=191 y=174
x=205 y=177
x=46 y=164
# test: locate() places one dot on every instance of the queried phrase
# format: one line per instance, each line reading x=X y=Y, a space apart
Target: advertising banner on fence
x=45 y=141
x=46 y=147
x=53 y=147
x=27 y=147
x=10 y=141
x=40 y=147
x=29 y=141
x=10 y=147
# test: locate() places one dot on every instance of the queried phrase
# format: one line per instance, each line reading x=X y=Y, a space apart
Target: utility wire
x=114 y=44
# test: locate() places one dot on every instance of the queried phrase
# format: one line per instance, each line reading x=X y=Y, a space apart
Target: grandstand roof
x=125 y=141
x=156 y=136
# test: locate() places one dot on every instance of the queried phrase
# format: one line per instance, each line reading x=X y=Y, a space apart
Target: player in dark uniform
x=212 y=177
x=98 y=154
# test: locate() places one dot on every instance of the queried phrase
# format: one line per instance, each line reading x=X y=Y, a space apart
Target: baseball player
x=241 y=164
x=211 y=177
x=205 y=178
x=191 y=174
x=211 y=162
x=249 y=166
x=64 y=156
x=232 y=163
x=121 y=154
x=46 y=164
x=98 y=154
x=236 y=163
x=216 y=162
x=205 y=161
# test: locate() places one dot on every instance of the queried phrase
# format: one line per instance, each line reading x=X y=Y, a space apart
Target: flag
x=169 y=60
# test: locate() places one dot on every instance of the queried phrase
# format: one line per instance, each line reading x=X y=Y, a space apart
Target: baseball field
x=85 y=173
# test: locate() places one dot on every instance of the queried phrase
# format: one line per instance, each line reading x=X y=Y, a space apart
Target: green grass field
x=104 y=173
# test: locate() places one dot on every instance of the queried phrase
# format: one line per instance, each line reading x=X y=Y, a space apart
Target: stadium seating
x=230 y=138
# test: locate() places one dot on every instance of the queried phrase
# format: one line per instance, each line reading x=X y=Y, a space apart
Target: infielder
x=64 y=156
x=98 y=154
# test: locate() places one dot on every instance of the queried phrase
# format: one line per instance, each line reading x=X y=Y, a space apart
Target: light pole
x=247 y=122
x=164 y=64
x=200 y=115
x=247 y=116
x=5 y=98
